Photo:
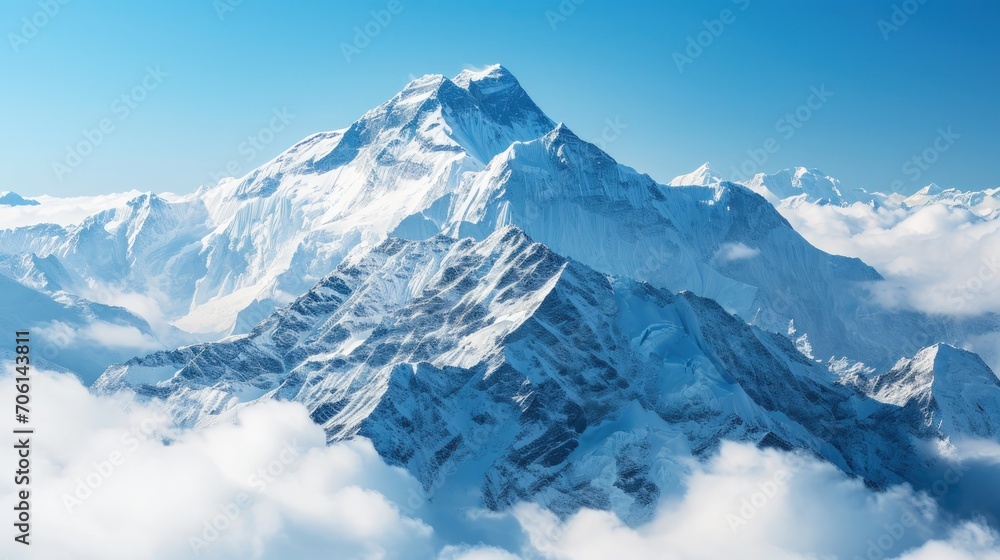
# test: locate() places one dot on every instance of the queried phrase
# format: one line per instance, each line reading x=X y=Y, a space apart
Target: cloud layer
x=113 y=482
x=936 y=258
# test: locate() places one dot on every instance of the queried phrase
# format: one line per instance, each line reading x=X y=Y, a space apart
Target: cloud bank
x=113 y=480
x=935 y=258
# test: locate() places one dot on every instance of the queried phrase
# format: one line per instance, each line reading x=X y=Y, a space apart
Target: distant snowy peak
x=931 y=190
x=791 y=188
x=8 y=198
x=951 y=390
x=704 y=176
x=984 y=203
x=809 y=185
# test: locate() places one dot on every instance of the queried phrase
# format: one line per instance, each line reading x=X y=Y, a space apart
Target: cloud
x=935 y=259
x=101 y=333
x=971 y=541
x=452 y=552
x=735 y=252
x=114 y=483
x=65 y=211
x=749 y=503
x=114 y=480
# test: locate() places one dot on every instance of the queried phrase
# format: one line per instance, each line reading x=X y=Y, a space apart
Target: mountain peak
x=945 y=358
x=931 y=189
x=934 y=371
x=949 y=389
x=561 y=132
x=811 y=184
x=10 y=198
x=146 y=199
x=491 y=73
x=702 y=177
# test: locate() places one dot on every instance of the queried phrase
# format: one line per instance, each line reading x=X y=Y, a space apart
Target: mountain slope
x=498 y=371
x=947 y=390
x=722 y=242
x=465 y=156
x=72 y=333
x=8 y=198
x=704 y=176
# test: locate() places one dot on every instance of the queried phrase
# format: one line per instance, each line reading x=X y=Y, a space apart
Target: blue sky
x=200 y=77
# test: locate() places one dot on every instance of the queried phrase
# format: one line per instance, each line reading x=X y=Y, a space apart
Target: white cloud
x=65 y=211
x=971 y=541
x=936 y=258
x=748 y=503
x=452 y=552
x=113 y=482
x=735 y=252
x=99 y=332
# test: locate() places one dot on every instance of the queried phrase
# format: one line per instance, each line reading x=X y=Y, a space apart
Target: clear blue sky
x=604 y=61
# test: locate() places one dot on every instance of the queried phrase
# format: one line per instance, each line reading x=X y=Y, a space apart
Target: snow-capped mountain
x=505 y=310
x=704 y=176
x=498 y=371
x=8 y=198
x=788 y=186
x=948 y=390
x=464 y=156
x=73 y=333
x=801 y=185
x=936 y=248
x=984 y=204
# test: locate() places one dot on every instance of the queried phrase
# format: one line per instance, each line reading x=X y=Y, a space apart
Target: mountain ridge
x=530 y=374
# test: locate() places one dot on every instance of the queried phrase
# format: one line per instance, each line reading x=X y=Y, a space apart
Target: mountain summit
x=466 y=156
x=704 y=176
x=496 y=303
x=8 y=198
